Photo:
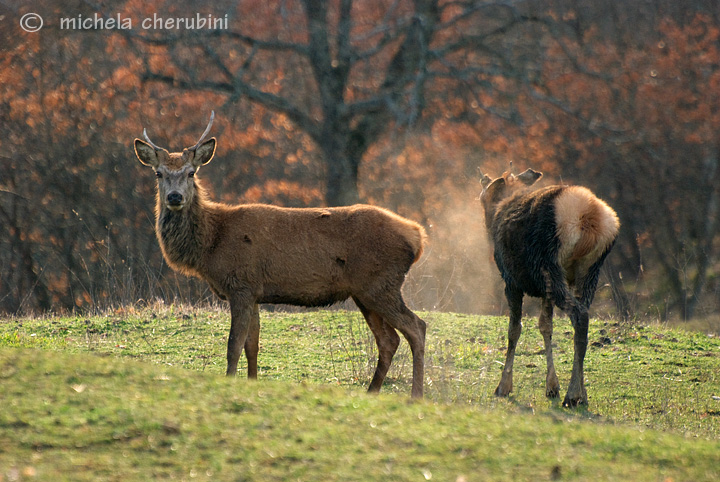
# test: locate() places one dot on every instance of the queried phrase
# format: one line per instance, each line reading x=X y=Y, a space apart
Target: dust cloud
x=457 y=272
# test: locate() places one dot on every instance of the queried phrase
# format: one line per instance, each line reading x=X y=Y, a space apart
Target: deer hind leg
x=514 y=329
x=252 y=342
x=387 y=341
x=559 y=291
x=413 y=329
x=392 y=310
x=577 y=395
x=552 y=386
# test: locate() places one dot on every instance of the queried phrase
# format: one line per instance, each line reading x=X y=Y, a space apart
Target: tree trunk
x=341 y=185
x=341 y=178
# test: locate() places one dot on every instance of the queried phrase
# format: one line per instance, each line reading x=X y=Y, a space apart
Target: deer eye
x=158 y=174
x=191 y=174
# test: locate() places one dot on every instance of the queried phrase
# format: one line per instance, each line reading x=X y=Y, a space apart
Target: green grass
x=140 y=395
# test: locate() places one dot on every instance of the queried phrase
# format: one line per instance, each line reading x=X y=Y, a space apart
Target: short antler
x=152 y=144
x=204 y=134
x=202 y=137
x=485 y=180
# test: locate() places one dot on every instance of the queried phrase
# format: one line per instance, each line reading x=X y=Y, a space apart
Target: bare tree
x=343 y=82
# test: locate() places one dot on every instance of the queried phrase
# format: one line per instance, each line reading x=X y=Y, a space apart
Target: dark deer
x=549 y=243
x=254 y=253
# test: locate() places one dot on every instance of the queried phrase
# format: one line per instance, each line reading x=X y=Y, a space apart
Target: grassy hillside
x=137 y=395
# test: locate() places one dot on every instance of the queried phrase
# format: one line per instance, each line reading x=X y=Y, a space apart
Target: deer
x=549 y=243
x=251 y=254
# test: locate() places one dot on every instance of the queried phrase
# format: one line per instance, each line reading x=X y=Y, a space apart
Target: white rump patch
x=586 y=226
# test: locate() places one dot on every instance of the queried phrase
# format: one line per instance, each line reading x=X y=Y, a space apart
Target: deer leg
x=387 y=341
x=552 y=386
x=413 y=329
x=514 y=329
x=241 y=312
x=576 y=394
x=252 y=342
x=559 y=291
x=392 y=310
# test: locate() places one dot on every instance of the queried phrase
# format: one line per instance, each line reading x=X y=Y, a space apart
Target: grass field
x=139 y=394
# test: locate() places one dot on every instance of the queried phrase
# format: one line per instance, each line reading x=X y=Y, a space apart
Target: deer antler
x=204 y=134
x=202 y=137
x=152 y=144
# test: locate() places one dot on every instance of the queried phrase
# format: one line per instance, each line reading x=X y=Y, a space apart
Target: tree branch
x=237 y=88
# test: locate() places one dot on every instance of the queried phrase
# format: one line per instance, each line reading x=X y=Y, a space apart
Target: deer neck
x=182 y=233
x=490 y=217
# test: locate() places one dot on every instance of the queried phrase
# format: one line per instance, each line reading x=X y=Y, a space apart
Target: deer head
x=495 y=190
x=175 y=171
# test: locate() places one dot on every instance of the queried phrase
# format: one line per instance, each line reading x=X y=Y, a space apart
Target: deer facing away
x=549 y=243
x=254 y=253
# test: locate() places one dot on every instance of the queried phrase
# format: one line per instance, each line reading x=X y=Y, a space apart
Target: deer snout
x=175 y=200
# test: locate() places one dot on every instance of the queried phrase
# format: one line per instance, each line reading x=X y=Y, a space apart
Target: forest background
x=397 y=103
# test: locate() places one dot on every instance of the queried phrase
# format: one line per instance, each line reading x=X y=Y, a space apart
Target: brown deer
x=549 y=243
x=255 y=253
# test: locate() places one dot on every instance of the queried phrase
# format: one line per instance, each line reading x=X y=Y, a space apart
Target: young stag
x=549 y=243
x=254 y=253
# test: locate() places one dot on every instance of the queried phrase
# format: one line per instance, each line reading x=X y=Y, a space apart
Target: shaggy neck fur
x=182 y=234
x=515 y=207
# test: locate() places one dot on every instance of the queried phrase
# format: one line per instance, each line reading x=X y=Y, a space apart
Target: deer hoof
x=503 y=390
x=574 y=402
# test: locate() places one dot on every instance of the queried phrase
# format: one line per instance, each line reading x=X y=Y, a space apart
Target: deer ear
x=204 y=152
x=529 y=177
x=495 y=191
x=146 y=153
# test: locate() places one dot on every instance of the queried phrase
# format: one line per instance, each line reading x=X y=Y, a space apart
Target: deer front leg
x=252 y=342
x=552 y=386
x=577 y=395
x=514 y=329
x=241 y=313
